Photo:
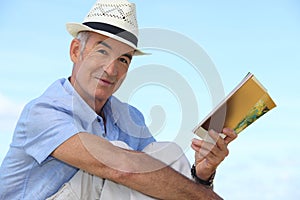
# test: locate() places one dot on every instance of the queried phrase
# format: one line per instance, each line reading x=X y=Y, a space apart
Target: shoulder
x=55 y=98
x=44 y=114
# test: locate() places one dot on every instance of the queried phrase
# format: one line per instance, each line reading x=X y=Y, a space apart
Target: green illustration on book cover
x=256 y=112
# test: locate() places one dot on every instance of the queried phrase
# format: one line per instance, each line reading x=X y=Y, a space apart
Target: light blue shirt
x=29 y=171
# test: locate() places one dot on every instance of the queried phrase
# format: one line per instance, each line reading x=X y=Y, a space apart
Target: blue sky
x=239 y=36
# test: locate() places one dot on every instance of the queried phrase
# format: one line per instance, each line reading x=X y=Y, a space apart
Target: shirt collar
x=80 y=108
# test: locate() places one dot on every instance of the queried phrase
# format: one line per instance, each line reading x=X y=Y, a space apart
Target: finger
x=208 y=149
x=197 y=142
x=221 y=144
x=217 y=154
x=212 y=159
x=198 y=145
x=214 y=135
x=218 y=150
x=222 y=147
x=203 y=153
x=201 y=146
x=230 y=135
x=212 y=153
x=195 y=148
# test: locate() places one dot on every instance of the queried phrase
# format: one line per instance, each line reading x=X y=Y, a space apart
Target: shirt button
x=98 y=119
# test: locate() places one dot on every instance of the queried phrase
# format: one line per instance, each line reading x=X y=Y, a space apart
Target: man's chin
x=102 y=97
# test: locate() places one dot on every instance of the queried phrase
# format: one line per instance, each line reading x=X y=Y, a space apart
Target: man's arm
x=133 y=169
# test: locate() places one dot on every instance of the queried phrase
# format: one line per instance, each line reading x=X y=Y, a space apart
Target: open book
x=245 y=104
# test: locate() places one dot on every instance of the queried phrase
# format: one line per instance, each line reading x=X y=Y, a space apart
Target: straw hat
x=113 y=18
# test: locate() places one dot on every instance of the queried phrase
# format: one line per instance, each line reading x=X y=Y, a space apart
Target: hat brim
x=75 y=28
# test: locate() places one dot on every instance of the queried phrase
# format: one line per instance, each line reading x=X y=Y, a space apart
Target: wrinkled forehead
x=97 y=40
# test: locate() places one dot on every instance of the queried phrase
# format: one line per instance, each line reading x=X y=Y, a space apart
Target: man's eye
x=123 y=60
x=102 y=51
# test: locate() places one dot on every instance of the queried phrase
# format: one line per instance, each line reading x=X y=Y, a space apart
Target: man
x=77 y=141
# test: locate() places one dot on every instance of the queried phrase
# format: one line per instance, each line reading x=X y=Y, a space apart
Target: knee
x=165 y=150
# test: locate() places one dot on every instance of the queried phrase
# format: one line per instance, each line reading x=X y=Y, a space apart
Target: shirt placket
x=102 y=127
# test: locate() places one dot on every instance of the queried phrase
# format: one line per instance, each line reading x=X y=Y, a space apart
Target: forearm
x=152 y=177
x=133 y=169
x=166 y=183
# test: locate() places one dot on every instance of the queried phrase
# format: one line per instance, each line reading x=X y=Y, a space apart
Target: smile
x=104 y=82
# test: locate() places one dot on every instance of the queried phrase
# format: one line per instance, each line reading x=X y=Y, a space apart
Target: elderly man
x=77 y=141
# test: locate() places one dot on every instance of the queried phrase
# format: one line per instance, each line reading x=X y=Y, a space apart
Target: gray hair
x=83 y=38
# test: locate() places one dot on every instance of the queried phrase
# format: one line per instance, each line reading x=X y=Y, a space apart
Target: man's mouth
x=105 y=81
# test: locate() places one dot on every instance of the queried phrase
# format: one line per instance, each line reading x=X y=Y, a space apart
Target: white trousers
x=84 y=186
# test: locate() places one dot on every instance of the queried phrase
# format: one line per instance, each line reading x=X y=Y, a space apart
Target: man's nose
x=111 y=68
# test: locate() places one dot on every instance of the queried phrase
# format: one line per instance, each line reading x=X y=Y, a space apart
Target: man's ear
x=75 y=50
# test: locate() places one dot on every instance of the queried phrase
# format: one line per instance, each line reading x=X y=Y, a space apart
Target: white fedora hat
x=113 y=18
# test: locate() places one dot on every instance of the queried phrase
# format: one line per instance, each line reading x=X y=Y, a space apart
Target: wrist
x=204 y=173
x=207 y=182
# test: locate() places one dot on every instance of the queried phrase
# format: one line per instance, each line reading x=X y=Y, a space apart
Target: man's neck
x=96 y=105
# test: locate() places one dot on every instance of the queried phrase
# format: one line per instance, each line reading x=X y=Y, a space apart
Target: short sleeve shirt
x=29 y=171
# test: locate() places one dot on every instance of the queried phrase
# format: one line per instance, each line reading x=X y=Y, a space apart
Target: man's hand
x=208 y=156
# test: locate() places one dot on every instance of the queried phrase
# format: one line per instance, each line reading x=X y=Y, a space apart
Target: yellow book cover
x=245 y=104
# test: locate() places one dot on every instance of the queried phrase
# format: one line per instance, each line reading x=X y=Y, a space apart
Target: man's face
x=100 y=69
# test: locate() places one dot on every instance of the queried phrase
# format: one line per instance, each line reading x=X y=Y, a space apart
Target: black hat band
x=113 y=30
